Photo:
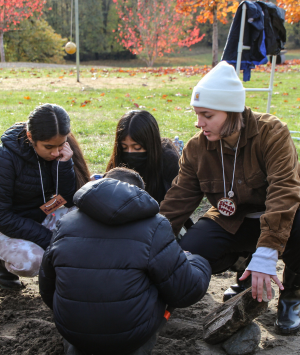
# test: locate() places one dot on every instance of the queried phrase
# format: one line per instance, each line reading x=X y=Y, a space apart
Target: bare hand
x=258 y=280
x=65 y=153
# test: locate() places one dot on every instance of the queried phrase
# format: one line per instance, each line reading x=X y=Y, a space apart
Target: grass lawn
x=104 y=95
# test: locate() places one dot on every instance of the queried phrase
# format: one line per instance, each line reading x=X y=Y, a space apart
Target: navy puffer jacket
x=111 y=268
x=21 y=191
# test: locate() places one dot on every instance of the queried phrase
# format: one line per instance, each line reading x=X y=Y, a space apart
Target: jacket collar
x=250 y=130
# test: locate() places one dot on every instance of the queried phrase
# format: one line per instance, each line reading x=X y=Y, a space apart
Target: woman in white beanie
x=247 y=165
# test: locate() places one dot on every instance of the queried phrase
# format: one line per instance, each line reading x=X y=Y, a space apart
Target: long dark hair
x=142 y=127
x=49 y=120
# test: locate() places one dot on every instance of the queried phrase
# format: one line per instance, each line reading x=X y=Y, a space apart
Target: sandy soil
x=27 y=327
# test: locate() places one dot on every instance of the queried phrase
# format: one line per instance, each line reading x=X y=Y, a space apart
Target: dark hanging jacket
x=264 y=32
x=253 y=36
x=274 y=27
x=111 y=268
x=21 y=190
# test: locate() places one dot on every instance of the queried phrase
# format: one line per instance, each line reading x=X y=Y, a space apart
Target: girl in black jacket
x=138 y=146
x=36 y=163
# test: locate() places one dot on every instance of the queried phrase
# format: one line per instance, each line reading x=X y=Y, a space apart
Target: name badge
x=53 y=204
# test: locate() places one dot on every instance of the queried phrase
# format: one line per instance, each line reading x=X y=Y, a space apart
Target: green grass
x=94 y=124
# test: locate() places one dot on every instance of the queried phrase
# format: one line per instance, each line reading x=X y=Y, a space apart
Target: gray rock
x=244 y=341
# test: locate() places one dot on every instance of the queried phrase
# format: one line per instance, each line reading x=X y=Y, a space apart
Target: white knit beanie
x=220 y=89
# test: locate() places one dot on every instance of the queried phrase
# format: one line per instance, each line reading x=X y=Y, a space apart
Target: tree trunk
x=2 y=47
x=215 y=45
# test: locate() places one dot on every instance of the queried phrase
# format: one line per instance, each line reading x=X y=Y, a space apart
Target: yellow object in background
x=70 y=47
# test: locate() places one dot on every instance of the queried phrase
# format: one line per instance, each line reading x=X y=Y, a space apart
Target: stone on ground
x=244 y=341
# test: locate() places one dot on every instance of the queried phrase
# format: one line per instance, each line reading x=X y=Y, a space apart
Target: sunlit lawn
x=94 y=112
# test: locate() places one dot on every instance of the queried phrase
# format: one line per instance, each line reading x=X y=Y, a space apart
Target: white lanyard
x=42 y=178
x=230 y=193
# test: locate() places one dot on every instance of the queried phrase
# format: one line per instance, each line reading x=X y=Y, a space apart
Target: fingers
x=245 y=275
x=254 y=286
x=269 y=287
x=66 y=152
x=276 y=279
x=260 y=287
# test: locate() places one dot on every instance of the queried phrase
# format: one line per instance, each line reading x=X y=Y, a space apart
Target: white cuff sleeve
x=264 y=260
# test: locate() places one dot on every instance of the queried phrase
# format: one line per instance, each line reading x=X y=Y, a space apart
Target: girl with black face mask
x=138 y=146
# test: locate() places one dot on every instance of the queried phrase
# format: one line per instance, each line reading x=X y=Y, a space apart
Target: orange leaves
x=27 y=97
x=292 y=9
x=298 y=99
x=102 y=94
x=152 y=28
x=86 y=102
x=207 y=7
x=10 y=18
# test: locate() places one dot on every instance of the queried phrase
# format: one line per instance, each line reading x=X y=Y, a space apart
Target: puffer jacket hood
x=120 y=200
x=15 y=140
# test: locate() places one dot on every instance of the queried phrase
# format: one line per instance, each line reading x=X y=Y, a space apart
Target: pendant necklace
x=226 y=206
x=57 y=200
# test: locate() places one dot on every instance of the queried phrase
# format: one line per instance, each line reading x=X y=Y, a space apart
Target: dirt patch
x=27 y=326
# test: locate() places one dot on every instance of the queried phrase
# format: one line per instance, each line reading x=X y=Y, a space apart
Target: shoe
x=239 y=287
x=9 y=281
x=288 y=317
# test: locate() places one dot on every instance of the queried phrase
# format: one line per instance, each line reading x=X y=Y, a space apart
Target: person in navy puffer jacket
x=113 y=266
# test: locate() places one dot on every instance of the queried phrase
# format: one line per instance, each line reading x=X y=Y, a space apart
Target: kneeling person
x=112 y=267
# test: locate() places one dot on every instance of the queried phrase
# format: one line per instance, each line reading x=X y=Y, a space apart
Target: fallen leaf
x=27 y=97
x=136 y=105
x=102 y=94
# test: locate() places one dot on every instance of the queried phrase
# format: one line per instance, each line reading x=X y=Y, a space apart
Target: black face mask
x=135 y=161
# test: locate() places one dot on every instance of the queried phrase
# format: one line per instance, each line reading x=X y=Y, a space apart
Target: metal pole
x=274 y=57
x=77 y=38
x=241 y=40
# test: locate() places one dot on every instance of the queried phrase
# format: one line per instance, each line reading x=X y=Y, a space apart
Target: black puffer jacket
x=21 y=191
x=111 y=268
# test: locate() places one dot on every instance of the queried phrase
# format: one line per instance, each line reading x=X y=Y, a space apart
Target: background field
x=104 y=95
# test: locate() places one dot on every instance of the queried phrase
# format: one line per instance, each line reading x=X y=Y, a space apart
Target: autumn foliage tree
x=12 y=12
x=150 y=28
x=292 y=8
x=212 y=11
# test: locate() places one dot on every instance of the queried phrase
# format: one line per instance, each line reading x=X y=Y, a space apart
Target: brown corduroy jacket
x=266 y=179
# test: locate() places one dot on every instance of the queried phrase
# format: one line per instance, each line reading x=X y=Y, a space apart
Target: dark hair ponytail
x=47 y=121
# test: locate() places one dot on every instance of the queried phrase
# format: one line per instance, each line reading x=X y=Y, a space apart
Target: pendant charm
x=53 y=204
x=226 y=206
x=230 y=194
